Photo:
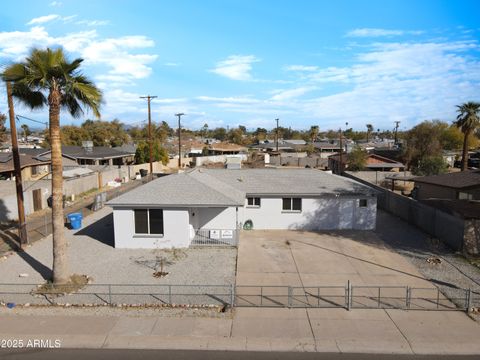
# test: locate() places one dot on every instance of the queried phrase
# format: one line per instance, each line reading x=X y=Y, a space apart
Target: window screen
x=141 y=221
x=297 y=204
x=251 y=201
x=287 y=204
x=156 y=221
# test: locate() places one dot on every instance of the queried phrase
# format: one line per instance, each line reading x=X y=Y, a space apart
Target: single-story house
x=226 y=149
x=96 y=155
x=463 y=185
x=32 y=163
x=177 y=210
x=373 y=163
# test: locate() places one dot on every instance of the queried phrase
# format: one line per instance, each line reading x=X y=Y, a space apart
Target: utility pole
x=396 y=131
x=341 y=151
x=276 y=133
x=340 y=168
x=179 y=141
x=22 y=228
x=150 y=144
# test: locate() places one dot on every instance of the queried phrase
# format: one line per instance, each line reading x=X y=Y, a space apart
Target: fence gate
x=37 y=199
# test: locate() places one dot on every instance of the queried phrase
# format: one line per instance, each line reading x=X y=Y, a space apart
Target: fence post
x=232 y=295
x=379 y=297
x=170 y=294
x=290 y=296
x=469 y=300
x=407 y=298
x=110 y=294
x=349 y=295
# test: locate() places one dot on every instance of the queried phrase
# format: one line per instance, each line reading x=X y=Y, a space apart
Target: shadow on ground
x=101 y=230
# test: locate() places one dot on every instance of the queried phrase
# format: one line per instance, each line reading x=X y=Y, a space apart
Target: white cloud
x=301 y=68
x=43 y=19
x=410 y=82
x=114 y=52
x=236 y=67
x=172 y=64
x=282 y=95
x=373 y=32
x=93 y=22
x=235 y=100
x=55 y=4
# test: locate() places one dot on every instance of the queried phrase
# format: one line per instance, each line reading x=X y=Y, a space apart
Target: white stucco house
x=212 y=205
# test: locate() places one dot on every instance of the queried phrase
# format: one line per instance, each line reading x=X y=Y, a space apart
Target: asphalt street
x=120 y=354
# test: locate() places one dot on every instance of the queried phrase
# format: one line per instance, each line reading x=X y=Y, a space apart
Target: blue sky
x=227 y=63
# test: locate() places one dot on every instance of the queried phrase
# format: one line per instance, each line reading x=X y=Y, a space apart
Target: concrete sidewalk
x=254 y=329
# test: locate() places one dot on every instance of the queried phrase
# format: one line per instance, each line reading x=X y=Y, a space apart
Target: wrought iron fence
x=343 y=296
x=215 y=237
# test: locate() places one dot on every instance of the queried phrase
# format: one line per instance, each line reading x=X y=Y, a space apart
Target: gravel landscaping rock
x=91 y=253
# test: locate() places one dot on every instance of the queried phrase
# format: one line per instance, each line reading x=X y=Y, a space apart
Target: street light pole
x=179 y=141
x=150 y=144
x=22 y=227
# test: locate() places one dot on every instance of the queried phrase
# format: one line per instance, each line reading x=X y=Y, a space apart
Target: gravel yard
x=451 y=275
x=91 y=253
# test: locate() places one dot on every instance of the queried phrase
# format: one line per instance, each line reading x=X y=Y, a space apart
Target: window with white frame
x=292 y=204
x=253 y=201
x=148 y=221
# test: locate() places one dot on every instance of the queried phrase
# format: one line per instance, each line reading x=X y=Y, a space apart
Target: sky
x=248 y=62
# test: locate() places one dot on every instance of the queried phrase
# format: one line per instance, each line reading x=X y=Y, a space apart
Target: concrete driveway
x=296 y=258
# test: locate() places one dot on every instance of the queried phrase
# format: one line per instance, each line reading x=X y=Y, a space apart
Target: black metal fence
x=344 y=296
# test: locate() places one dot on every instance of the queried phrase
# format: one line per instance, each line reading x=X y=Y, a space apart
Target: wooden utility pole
x=179 y=141
x=22 y=228
x=341 y=151
x=276 y=133
x=150 y=143
x=396 y=131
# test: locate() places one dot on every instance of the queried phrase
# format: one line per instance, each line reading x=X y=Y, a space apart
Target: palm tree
x=47 y=78
x=468 y=120
x=26 y=131
x=314 y=129
x=369 y=130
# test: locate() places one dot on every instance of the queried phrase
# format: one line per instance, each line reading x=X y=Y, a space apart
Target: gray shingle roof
x=98 y=152
x=458 y=180
x=221 y=187
x=178 y=190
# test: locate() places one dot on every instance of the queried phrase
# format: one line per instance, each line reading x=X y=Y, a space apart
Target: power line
x=33 y=120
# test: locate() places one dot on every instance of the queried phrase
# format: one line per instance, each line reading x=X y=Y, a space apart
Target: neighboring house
x=32 y=164
x=226 y=149
x=374 y=163
x=178 y=210
x=96 y=155
x=326 y=149
x=284 y=145
x=463 y=185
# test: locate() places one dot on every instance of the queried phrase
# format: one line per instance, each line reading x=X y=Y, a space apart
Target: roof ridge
x=229 y=189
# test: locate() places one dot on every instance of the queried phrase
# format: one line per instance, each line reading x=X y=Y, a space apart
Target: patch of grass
x=74 y=284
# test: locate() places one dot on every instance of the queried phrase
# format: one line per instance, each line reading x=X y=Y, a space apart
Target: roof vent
x=87 y=146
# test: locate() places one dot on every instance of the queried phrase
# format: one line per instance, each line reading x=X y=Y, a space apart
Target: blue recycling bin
x=75 y=220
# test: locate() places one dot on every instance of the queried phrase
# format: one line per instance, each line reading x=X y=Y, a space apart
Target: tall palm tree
x=314 y=129
x=369 y=130
x=47 y=78
x=468 y=120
